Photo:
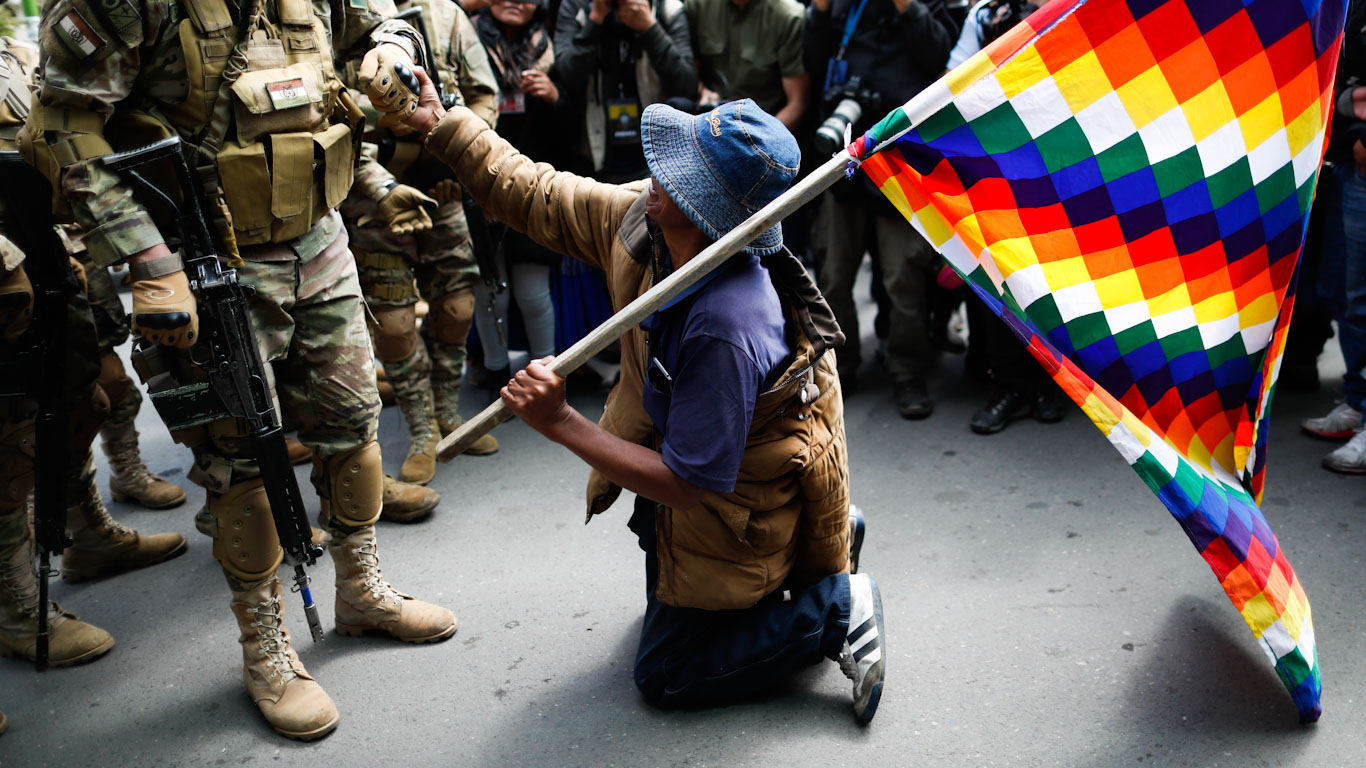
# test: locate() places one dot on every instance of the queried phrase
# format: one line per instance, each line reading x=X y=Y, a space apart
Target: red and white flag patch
x=78 y=35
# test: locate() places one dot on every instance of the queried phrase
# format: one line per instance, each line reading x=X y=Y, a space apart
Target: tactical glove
x=164 y=309
x=406 y=210
x=390 y=90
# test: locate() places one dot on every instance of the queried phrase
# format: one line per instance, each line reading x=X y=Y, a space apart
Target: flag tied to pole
x=1127 y=184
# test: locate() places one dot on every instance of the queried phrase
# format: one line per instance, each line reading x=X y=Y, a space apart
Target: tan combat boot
x=291 y=701
x=365 y=601
x=101 y=545
x=70 y=641
x=129 y=478
x=484 y=446
x=407 y=503
x=420 y=465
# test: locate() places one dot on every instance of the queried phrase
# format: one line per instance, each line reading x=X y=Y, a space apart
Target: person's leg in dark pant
x=690 y=657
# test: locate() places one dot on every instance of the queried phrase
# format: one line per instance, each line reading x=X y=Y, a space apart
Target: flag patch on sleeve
x=77 y=34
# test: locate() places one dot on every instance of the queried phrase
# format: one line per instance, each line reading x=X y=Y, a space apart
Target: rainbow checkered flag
x=1127 y=184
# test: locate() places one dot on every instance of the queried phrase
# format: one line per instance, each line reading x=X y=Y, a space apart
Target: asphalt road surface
x=1042 y=608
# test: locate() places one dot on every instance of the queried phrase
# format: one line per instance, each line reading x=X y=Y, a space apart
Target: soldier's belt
x=380 y=260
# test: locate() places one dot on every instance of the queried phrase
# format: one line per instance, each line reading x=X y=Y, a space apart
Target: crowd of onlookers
x=575 y=76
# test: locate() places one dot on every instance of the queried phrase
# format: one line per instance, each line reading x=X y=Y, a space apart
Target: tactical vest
x=291 y=147
x=15 y=94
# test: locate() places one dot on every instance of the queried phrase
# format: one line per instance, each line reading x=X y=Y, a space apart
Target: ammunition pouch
x=53 y=138
x=184 y=398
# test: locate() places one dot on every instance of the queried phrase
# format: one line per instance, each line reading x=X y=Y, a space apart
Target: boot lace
x=367 y=556
x=126 y=463
x=274 y=645
x=103 y=520
x=23 y=592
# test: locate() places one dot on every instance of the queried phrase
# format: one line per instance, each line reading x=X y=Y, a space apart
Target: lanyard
x=850 y=25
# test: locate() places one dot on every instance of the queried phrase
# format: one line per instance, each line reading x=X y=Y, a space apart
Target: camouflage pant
x=442 y=262
x=310 y=325
x=87 y=411
x=111 y=329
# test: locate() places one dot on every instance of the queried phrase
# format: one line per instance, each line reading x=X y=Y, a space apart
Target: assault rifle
x=481 y=240
x=234 y=382
x=39 y=370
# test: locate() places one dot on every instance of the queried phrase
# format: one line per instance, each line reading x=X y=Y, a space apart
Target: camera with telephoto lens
x=851 y=102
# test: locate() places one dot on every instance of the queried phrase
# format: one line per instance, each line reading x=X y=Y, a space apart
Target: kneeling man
x=728 y=421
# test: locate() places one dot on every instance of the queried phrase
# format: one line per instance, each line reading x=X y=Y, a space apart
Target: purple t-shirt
x=710 y=357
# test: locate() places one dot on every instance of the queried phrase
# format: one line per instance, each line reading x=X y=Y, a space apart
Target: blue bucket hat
x=722 y=166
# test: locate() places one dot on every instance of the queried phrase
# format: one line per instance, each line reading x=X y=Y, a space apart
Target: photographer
x=875 y=55
x=752 y=49
x=616 y=57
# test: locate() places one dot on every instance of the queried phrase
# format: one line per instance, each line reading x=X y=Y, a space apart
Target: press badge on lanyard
x=513 y=104
x=623 y=120
x=837 y=69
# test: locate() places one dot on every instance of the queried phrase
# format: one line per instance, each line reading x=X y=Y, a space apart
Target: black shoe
x=856 y=526
x=483 y=378
x=913 y=400
x=1050 y=406
x=1000 y=410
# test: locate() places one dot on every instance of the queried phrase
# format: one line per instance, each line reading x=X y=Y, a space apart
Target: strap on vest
x=210 y=17
x=294 y=13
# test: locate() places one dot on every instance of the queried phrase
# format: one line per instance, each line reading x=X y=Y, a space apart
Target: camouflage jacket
x=126 y=54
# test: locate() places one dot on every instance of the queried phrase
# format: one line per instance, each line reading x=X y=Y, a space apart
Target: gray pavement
x=1043 y=609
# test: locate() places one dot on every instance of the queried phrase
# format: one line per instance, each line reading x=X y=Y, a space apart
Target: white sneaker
x=861 y=658
x=1341 y=423
x=1349 y=458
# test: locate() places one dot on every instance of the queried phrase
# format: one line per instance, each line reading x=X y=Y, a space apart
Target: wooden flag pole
x=713 y=256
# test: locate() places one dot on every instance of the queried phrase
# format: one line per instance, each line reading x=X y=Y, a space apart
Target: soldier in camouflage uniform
x=100 y=544
x=129 y=478
x=251 y=89
x=425 y=370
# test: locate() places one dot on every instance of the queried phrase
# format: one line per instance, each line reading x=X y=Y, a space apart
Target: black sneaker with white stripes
x=861 y=659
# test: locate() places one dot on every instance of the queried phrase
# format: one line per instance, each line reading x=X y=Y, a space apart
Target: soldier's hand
x=390 y=89
x=406 y=210
x=78 y=269
x=164 y=309
x=429 y=110
x=446 y=191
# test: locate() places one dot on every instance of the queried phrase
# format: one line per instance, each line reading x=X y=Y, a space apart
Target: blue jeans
x=1342 y=275
x=692 y=657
